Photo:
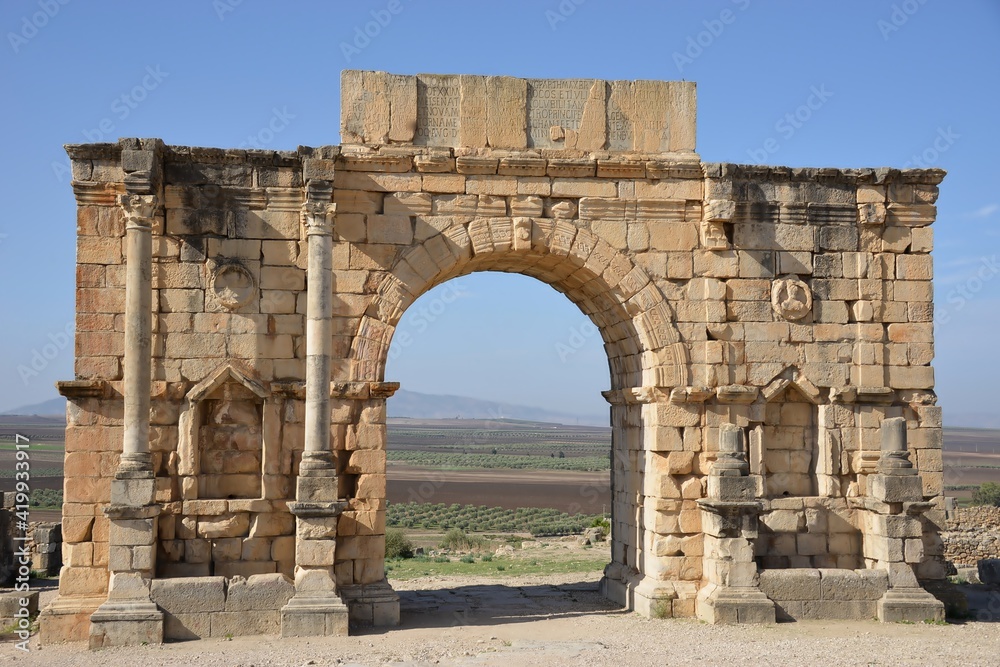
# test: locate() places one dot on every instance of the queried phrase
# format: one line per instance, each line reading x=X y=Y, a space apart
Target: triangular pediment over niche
x=223 y=374
x=792 y=378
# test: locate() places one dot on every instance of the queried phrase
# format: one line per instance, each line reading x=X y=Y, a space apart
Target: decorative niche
x=785 y=448
x=222 y=436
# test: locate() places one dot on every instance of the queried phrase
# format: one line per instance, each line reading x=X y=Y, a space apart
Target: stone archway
x=709 y=283
x=636 y=324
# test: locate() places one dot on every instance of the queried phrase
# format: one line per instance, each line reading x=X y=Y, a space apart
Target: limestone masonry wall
x=972 y=534
x=789 y=308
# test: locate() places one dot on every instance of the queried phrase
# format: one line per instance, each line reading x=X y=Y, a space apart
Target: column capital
x=318 y=217
x=139 y=210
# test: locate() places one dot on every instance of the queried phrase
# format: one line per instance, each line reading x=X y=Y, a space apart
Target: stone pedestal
x=893 y=537
x=129 y=616
x=909 y=604
x=314 y=614
x=615 y=586
x=729 y=521
x=653 y=598
x=722 y=604
x=316 y=609
x=373 y=604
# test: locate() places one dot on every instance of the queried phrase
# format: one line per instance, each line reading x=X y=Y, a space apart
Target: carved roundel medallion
x=791 y=298
x=233 y=286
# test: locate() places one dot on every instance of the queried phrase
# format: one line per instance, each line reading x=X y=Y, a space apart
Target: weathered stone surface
x=505 y=112
x=189 y=595
x=791 y=584
x=259 y=592
x=263 y=292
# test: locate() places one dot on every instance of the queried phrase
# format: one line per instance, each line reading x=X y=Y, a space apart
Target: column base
x=654 y=599
x=323 y=615
x=909 y=604
x=732 y=605
x=616 y=591
x=372 y=604
x=67 y=619
x=126 y=624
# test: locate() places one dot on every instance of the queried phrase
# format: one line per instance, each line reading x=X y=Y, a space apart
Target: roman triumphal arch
x=776 y=444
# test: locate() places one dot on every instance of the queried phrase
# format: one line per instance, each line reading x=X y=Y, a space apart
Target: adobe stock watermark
x=32 y=24
x=41 y=357
x=426 y=314
x=967 y=290
x=364 y=34
x=22 y=555
x=121 y=107
x=277 y=124
x=562 y=12
x=790 y=123
x=899 y=16
x=944 y=140
x=223 y=7
x=576 y=340
x=698 y=43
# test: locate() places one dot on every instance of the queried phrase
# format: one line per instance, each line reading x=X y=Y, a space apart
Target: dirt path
x=555 y=620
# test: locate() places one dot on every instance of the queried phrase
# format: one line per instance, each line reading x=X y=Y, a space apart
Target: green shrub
x=397 y=544
x=487 y=557
x=468 y=558
x=46 y=498
x=988 y=493
x=457 y=539
x=601 y=522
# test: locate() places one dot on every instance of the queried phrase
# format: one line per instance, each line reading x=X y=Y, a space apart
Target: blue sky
x=892 y=83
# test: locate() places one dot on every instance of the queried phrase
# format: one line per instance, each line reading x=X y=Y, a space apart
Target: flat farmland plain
x=499 y=463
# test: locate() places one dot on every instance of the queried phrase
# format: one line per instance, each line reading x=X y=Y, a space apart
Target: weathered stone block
x=791 y=584
x=258 y=593
x=189 y=595
x=895 y=489
x=838 y=584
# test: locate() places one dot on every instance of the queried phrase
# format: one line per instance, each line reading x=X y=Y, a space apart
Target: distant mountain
x=971 y=419
x=54 y=406
x=434 y=406
x=438 y=406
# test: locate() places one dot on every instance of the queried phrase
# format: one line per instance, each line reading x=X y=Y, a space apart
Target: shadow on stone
x=497 y=604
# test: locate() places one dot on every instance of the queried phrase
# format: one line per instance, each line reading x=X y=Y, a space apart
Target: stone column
x=893 y=531
x=318 y=217
x=139 y=210
x=129 y=616
x=729 y=521
x=316 y=608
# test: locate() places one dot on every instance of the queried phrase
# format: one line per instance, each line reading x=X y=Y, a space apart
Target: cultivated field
x=497 y=463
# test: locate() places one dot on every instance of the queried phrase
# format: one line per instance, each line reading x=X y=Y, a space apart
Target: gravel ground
x=554 y=620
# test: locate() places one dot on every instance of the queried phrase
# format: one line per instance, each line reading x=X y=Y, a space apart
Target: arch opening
x=642 y=345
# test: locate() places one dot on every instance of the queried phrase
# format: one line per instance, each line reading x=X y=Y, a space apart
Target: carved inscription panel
x=438 y=102
x=555 y=103
x=471 y=111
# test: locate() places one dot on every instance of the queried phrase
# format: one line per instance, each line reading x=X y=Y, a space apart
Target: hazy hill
x=433 y=406
x=410 y=404
x=54 y=406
